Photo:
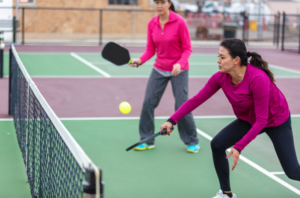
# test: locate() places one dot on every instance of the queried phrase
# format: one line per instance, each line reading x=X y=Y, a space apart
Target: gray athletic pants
x=155 y=88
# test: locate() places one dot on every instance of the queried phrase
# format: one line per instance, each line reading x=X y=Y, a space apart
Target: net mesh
x=52 y=169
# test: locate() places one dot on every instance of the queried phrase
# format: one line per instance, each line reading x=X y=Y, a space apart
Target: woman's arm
x=185 y=44
x=260 y=88
x=150 y=48
x=211 y=87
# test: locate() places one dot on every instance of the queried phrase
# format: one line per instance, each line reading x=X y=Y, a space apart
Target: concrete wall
x=79 y=24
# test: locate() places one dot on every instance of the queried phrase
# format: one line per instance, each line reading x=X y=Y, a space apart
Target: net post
x=10 y=83
x=93 y=185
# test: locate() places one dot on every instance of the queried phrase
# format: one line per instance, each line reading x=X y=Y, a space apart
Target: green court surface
x=93 y=65
x=12 y=167
x=166 y=171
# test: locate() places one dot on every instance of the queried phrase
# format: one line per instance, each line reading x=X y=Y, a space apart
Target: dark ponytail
x=237 y=47
x=258 y=62
x=172 y=7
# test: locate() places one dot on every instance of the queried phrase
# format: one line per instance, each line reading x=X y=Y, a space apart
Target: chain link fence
x=41 y=25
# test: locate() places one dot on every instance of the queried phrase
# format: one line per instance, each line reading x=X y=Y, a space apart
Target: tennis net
x=56 y=165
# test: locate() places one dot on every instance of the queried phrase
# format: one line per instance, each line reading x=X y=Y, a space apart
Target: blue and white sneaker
x=193 y=148
x=143 y=147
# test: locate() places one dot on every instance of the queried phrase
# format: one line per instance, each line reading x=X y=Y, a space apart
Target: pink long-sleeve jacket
x=172 y=44
x=256 y=100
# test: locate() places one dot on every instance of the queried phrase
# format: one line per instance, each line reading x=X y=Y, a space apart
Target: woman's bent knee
x=215 y=145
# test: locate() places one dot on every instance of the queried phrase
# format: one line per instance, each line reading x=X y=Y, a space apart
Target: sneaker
x=143 y=147
x=193 y=148
x=221 y=195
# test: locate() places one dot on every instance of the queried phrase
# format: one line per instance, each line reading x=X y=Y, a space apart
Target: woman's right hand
x=134 y=61
x=166 y=125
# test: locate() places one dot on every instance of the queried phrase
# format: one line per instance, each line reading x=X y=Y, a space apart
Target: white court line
x=6 y=119
x=90 y=65
x=131 y=118
x=67 y=76
x=215 y=63
x=285 y=69
x=136 y=53
x=136 y=118
x=151 y=63
x=257 y=167
x=93 y=76
x=278 y=173
x=156 y=117
x=137 y=76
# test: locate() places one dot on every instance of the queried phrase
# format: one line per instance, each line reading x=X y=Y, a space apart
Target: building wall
x=86 y=23
x=289 y=7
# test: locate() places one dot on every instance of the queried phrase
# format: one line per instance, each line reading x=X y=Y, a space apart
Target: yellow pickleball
x=125 y=107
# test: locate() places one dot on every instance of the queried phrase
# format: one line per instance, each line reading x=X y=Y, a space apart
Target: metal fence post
x=100 y=27
x=2 y=45
x=245 y=27
x=278 y=29
x=1 y=62
x=14 y=29
x=23 y=26
x=275 y=29
x=283 y=27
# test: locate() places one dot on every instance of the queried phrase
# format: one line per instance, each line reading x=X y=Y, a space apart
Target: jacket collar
x=173 y=17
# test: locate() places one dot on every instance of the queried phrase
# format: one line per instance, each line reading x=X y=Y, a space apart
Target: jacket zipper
x=162 y=30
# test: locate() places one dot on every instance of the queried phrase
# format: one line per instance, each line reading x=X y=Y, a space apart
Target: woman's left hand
x=236 y=156
x=176 y=69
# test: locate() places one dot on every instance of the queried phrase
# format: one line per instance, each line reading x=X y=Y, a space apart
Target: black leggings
x=281 y=136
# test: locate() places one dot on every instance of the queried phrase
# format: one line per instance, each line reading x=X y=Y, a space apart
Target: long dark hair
x=172 y=7
x=237 y=47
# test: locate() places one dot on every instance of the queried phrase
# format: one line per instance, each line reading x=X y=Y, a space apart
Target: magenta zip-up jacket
x=256 y=100
x=172 y=44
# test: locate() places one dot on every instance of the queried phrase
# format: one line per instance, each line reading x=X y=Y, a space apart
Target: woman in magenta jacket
x=167 y=36
x=258 y=105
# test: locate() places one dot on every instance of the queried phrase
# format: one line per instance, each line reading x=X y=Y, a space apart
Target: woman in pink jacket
x=258 y=105
x=169 y=37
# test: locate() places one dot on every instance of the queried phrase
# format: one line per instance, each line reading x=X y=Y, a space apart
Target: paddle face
x=116 y=54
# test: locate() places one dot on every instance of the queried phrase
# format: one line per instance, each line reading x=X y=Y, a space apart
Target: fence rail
x=98 y=26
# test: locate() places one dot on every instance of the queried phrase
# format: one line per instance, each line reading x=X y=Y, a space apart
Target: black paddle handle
x=162 y=132
x=137 y=65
